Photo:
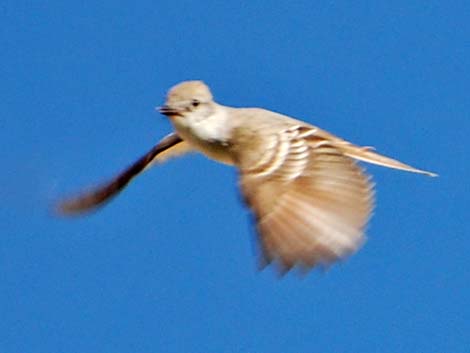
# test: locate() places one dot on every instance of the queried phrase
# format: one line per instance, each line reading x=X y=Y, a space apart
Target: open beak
x=166 y=110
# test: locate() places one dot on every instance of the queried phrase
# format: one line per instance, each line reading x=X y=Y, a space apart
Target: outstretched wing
x=170 y=146
x=311 y=202
x=367 y=154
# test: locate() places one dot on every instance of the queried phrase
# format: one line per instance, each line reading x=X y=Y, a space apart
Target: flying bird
x=310 y=198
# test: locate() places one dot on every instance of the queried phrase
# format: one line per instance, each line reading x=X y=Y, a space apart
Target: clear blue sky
x=169 y=265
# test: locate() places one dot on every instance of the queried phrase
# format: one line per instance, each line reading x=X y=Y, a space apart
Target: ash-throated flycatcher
x=310 y=199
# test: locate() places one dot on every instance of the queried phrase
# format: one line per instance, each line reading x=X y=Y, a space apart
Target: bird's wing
x=170 y=146
x=310 y=201
x=367 y=154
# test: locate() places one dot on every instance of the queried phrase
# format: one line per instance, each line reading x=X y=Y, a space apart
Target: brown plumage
x=311 y=210
x=310 y=199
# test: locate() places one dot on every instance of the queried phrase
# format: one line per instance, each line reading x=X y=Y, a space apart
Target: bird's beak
x=168 y=111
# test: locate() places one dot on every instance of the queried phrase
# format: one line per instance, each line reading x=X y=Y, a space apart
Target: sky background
x=169 y=265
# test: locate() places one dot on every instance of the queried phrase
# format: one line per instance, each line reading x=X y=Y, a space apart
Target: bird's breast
x=207 y=140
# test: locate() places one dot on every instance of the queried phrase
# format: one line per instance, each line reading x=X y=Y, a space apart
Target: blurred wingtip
x=76 y=206
x=67 y=209
x=425 y=172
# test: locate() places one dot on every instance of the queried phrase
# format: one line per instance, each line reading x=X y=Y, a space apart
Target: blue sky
x=169 y=265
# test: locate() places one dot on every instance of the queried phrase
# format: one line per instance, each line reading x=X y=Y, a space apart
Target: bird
x=309 y=197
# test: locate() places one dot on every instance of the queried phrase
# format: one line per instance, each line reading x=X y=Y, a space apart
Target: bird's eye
x=195 y=103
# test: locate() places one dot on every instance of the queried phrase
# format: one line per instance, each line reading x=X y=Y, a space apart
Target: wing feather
x=170 y=146
x=312 y=208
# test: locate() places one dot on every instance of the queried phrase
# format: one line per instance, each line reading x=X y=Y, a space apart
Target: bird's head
x=188 y=103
